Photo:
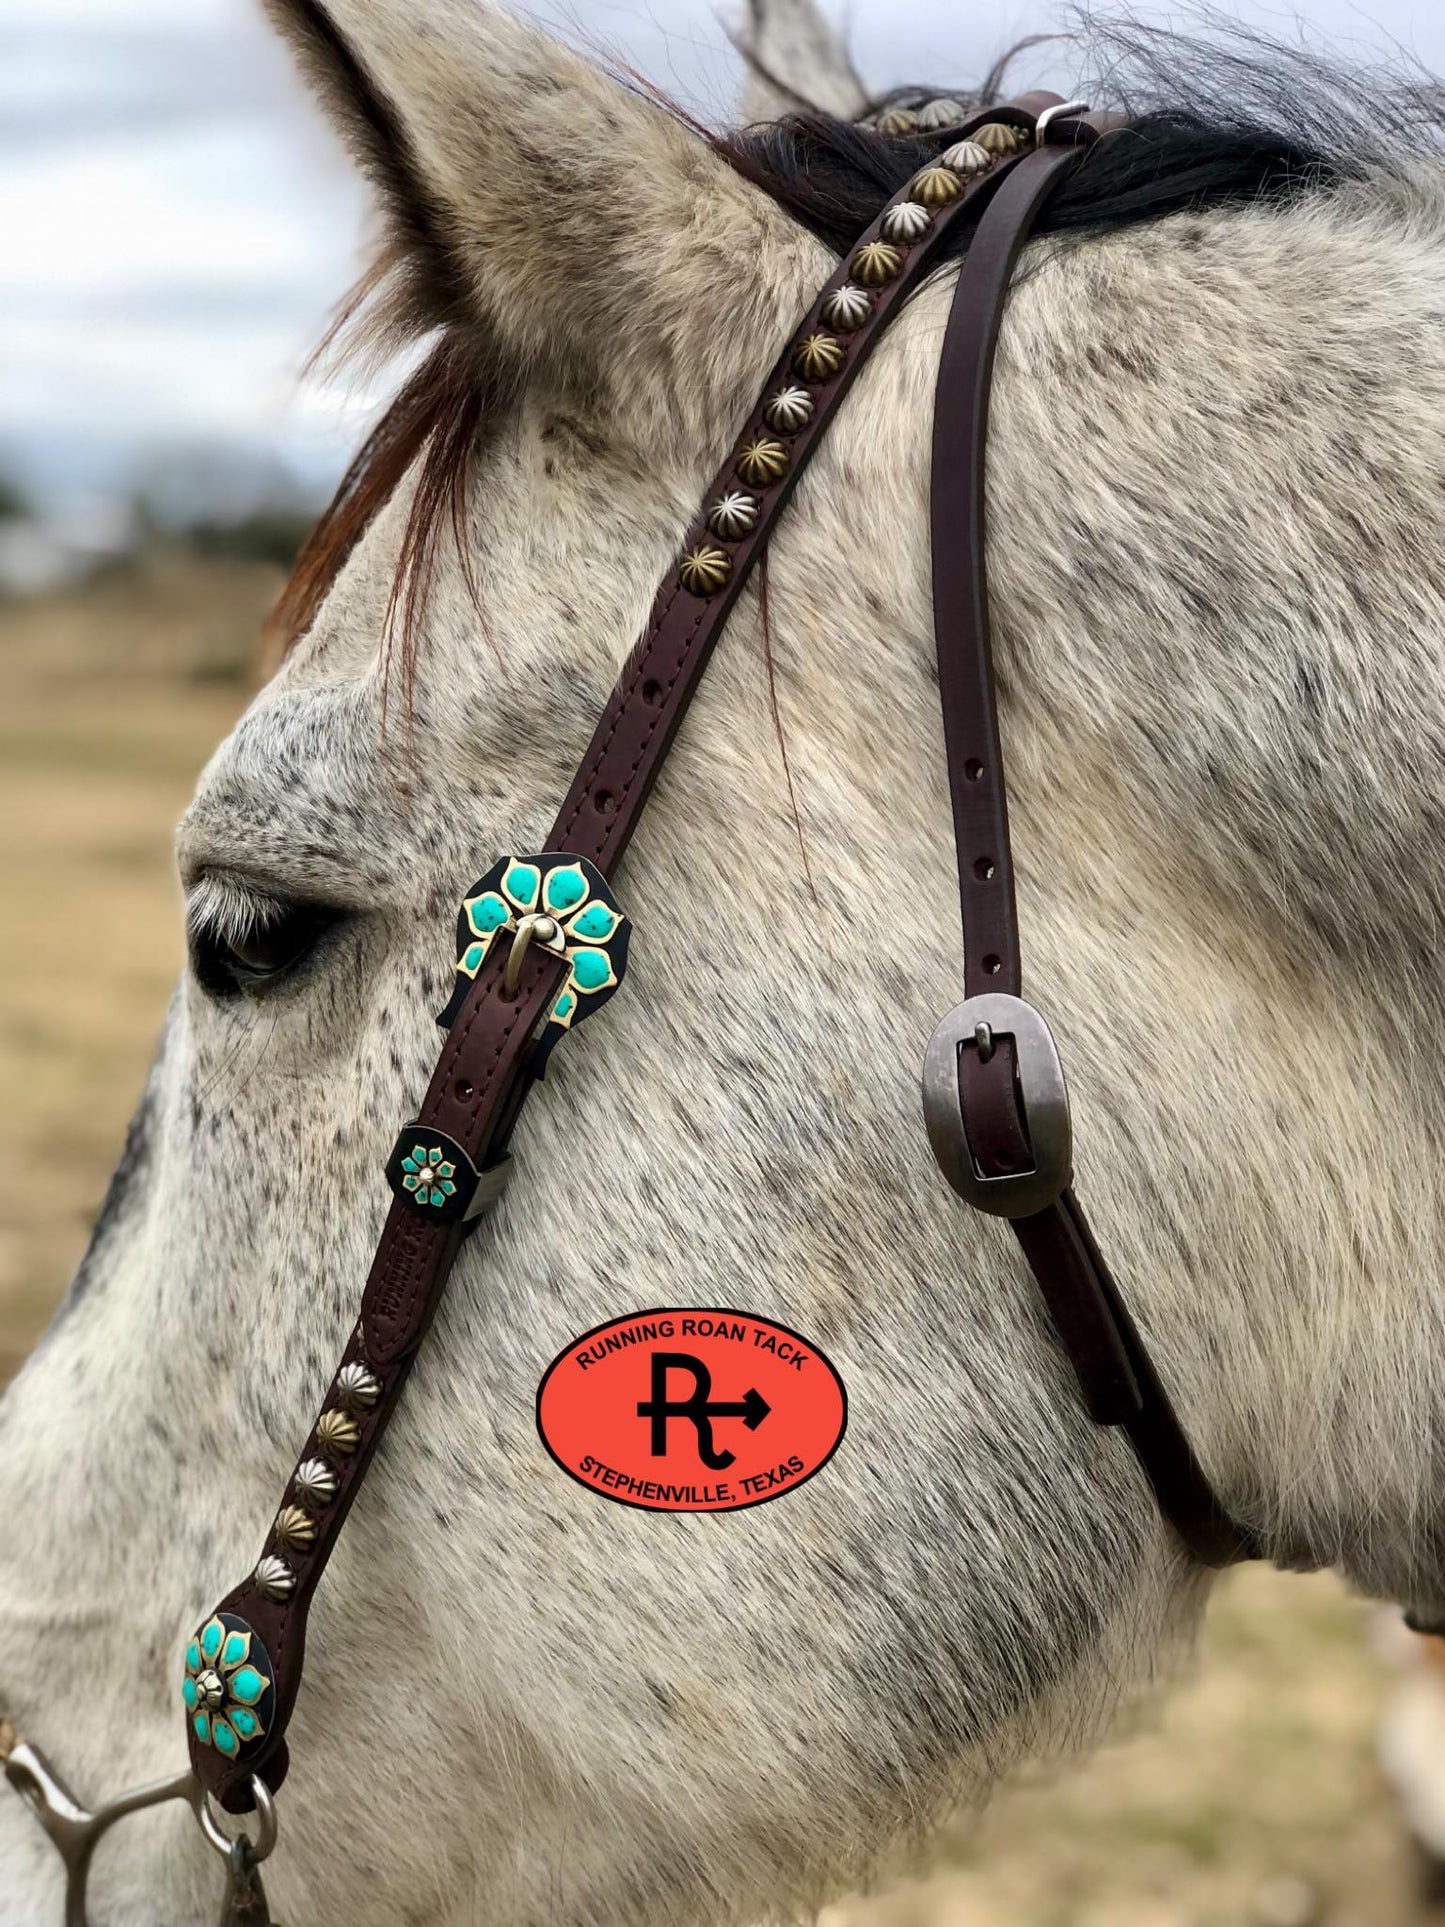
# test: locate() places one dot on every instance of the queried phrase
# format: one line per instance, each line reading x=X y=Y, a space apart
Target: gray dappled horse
x=1219 y=600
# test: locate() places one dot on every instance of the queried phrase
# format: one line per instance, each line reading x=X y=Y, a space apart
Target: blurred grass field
x=1250 y=1798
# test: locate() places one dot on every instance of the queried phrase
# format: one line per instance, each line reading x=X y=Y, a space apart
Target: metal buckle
x=541 y=930
x=1043 y=1100
x=1065 y=110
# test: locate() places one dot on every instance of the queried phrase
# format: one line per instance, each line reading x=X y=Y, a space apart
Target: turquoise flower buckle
x=228 y=1687
x=561 y=903
x=557 y=903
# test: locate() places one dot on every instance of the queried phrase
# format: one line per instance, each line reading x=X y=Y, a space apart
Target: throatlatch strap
x=488 y=1063
x=1118 y=1380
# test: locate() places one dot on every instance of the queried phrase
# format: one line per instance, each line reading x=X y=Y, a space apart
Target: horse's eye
x=229 y=957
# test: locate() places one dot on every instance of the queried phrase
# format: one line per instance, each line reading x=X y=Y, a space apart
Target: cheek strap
x=994 y=1097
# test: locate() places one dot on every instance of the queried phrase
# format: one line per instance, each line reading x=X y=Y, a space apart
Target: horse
x=1219 y=433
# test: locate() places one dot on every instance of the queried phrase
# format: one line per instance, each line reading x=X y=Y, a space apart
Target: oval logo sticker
x=691 y=1411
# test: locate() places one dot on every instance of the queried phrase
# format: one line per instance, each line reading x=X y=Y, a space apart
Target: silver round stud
x=356 y=1388
x=210 y=1690
x=275 y=1578
x=896 y=121
x=941 y=113
x=733 y=515
x=906 y=222
x=847 y=307
x=967 y=158
x=789 y=410
x=315 y=1484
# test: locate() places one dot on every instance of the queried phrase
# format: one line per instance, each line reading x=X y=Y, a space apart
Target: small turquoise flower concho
x=429 y=1175
x=228 y=1688
x=590 y=931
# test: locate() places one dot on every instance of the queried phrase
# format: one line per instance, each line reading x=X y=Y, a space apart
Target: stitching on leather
x=621 y=702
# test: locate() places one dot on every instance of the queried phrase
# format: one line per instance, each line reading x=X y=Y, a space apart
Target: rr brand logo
x=691 y=1411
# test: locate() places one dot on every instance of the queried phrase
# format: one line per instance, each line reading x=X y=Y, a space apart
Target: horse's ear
x=796 y=58
x=591 y=237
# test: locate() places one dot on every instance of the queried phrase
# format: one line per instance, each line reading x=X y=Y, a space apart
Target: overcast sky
x=177 y=225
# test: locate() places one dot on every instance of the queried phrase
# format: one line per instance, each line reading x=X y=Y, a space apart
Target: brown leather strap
x=650 y=699
x=486 y=1066
x=1119 y=1383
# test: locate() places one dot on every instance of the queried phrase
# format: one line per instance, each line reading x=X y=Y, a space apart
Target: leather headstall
x=542 y=941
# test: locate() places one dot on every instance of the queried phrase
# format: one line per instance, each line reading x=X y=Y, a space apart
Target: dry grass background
x=1249 y=1798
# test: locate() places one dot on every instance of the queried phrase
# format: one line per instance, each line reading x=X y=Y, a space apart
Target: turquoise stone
x=472 y=957
x=234 y=1650
x=247 y=1686
x=565 y=889
x=596 y=923
x=224 y=1740
x=211 y=1639
x=489 y=913
x=591 y=969
x=245 y=1722
x=193 y=1657
x=188 y=1694
x=409 y=1163
x=564 y=1006
x=202 y=1724
x=520 y=884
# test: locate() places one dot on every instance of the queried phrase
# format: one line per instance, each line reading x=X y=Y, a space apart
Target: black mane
x=1228 y=118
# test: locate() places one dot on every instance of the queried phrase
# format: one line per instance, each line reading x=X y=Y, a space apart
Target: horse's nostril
x=1429 y=1628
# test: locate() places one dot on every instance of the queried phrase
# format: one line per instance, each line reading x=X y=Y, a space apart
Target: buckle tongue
x=1043 y=1101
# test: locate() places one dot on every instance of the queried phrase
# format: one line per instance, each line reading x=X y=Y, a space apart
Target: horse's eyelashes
x=240 y=941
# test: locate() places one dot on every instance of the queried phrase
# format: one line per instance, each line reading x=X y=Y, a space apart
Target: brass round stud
x=733 y=515
x=877 y=263
x=847 y=308
x=295 y=1528
x=357 y=1388
x=818 y=357
x=705 y=569
x=906 y=222
x=789 y=410
x=337 y=1433
x=997 y=137
x=936 y=186
x=762 y=461
x=315 y=1484
x=274 y=1577
x=897 y=121
x=941 y=113
x=967 y=158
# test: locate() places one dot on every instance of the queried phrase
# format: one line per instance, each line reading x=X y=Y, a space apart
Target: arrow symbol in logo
x=696 y=1408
